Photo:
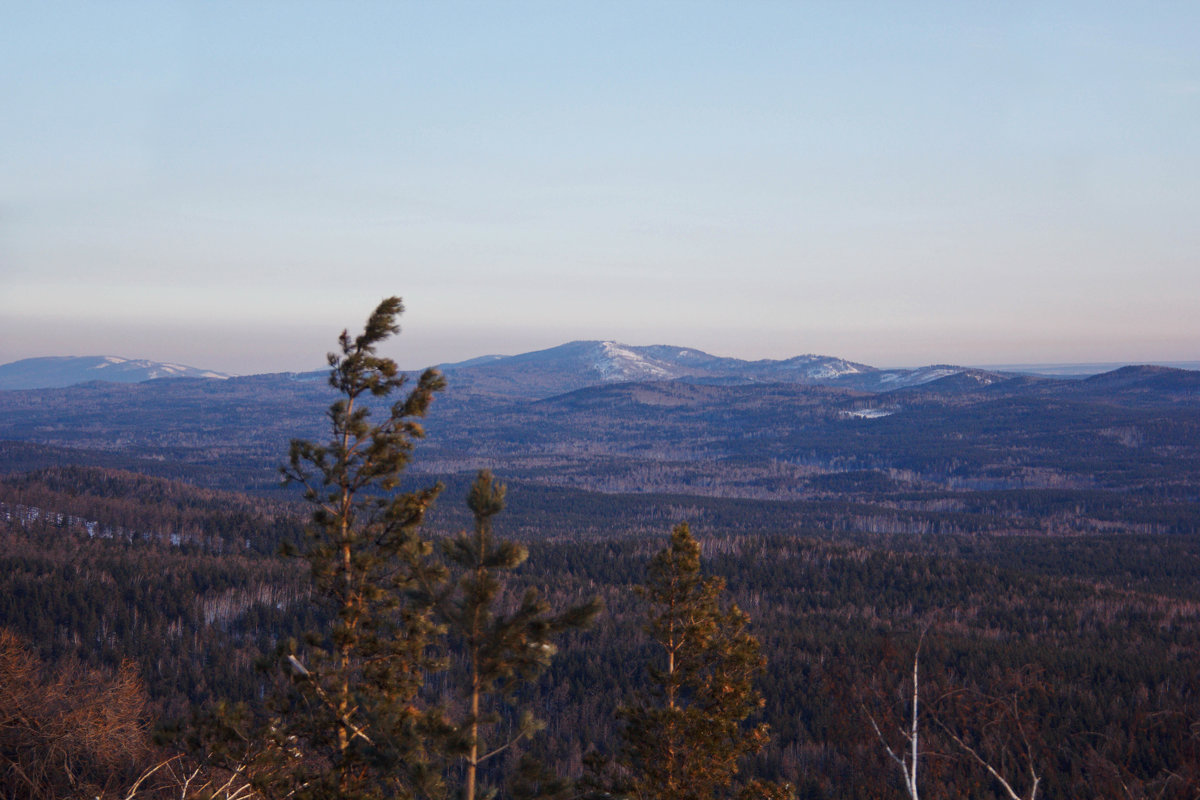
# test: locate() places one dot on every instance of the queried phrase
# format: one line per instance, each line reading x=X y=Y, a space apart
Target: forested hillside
x=1107 y=627
x=1032 y=545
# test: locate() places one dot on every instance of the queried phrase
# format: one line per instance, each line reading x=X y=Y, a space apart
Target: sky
x=229 y=184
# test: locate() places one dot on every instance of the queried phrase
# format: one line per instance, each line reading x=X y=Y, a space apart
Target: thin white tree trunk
x=908 y=767
x=912 y=774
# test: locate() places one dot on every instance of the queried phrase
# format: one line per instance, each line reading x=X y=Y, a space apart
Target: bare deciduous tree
x=68 y=731
x=995 y=732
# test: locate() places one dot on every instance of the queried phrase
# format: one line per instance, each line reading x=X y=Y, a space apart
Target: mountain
x=57 y=372
x=947 y=381
x=534 y=375
x=1164 y=383
x=580 y=364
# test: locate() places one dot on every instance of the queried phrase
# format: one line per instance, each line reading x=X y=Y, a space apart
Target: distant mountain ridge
x=580 y=364
x=56 y=372
x=570 y=367
x=689 y=435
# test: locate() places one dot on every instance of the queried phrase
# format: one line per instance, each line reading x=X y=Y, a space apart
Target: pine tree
x=352 y=727
x=684 y=740
x=501 y=651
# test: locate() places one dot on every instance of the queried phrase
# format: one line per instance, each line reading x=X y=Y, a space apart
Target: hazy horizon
x=228 y=185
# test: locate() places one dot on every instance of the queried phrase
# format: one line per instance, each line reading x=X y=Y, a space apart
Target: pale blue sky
x=227 y=184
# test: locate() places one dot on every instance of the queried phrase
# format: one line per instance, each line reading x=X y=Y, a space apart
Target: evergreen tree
x=501 y=651
x=352 y=727
x=683 y=740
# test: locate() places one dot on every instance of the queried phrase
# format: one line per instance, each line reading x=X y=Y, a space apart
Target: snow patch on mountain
x=900 y=378
x=814 y=368
x=931 y=374
x=615 y=361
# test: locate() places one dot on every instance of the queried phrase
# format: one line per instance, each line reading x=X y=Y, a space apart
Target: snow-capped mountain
x=59 y=371
x=564 y=368
x=576 y=365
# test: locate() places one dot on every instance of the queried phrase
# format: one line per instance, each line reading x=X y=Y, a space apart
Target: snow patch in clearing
x=869 y=413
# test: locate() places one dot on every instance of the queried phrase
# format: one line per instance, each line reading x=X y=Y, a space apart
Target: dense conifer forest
x=1048 y=582
x=1108 y=628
